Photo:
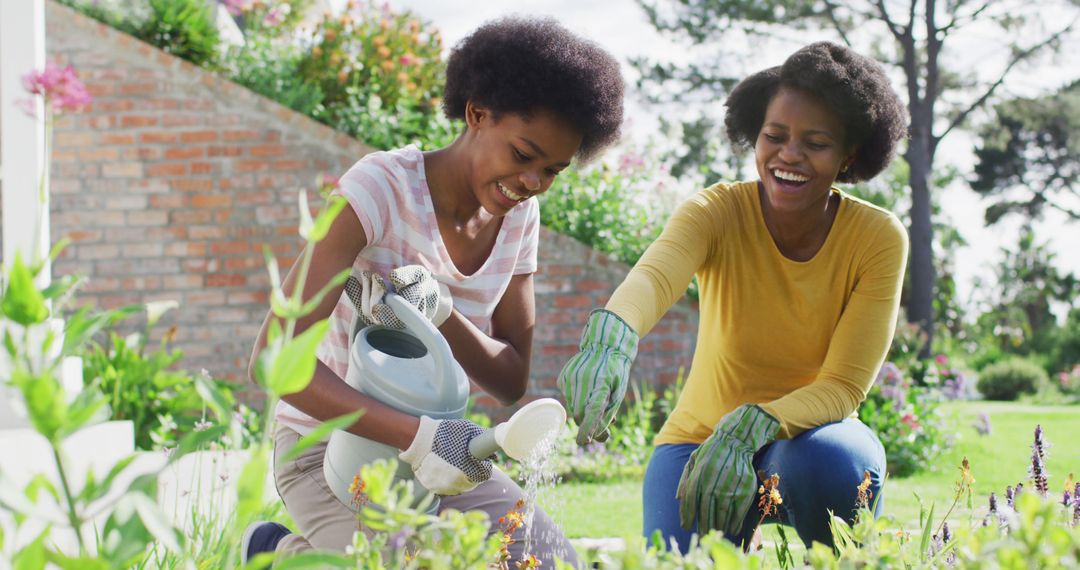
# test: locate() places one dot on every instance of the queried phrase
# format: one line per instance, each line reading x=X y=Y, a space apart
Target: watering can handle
x=432 y=339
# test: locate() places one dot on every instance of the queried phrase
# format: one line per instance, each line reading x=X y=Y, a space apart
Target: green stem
x=73 y=516
x=43 y=182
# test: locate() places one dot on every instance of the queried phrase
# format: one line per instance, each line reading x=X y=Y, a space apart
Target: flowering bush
x=1069 y=382
x=906 y=419
x=381 y=75
x=618 y=206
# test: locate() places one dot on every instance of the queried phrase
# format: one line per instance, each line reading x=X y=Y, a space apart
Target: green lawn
x=589 y=510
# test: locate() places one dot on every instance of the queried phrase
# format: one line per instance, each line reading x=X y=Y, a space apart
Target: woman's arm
x=328 y=396
x=858 y=345
x=660 y=278
x=499 y=363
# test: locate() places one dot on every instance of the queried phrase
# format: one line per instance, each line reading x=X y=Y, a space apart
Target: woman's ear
x=476 y=114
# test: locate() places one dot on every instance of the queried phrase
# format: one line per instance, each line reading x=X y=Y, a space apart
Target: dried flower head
x=862 y=499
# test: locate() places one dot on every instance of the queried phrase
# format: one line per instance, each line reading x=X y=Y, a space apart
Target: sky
x=621 y=27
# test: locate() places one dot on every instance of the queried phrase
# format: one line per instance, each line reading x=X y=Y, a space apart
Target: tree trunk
x=920 y=307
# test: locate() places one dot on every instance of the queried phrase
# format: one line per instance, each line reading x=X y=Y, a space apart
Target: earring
x=844 y=169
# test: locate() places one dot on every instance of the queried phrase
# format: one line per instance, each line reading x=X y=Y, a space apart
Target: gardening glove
x=594 y=380
x=440 y=458
x=413 y=283
x=718 y=483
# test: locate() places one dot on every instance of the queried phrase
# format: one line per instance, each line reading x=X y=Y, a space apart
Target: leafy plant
x=184 y=28
x=271 y=69
x=145 y=386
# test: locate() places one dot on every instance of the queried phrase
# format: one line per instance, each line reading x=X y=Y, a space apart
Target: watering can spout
x=529 y=429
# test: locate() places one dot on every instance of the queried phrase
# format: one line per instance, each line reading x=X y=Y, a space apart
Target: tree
x=909 y=36
x=1029 y=156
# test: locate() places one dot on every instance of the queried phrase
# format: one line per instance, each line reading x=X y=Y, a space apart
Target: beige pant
x=326 y=524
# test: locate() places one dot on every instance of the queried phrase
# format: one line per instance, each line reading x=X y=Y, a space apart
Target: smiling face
x=517 y=156
x=799 y=151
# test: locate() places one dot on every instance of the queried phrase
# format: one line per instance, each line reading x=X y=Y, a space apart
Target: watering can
x=413 y=371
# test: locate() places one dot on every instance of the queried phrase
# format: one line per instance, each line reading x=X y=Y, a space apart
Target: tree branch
x=1016 y=59
x=830 y=11
x=959 y=21
x=884 y=13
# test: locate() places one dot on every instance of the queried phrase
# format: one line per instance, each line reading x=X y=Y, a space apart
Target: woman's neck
x=446 y=170
x=799 y=235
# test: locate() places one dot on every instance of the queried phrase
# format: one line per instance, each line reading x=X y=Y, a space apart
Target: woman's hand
x=717 y=485
x=440 y=458
x=414 y=283
x=594 y=380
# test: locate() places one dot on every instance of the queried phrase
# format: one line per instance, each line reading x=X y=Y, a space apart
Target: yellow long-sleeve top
x=802 y=339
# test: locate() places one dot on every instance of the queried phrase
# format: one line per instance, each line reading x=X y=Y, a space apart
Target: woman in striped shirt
x=464 y=220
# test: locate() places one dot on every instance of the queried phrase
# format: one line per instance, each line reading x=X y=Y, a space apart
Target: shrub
x=906 y=419
x=271 y=69
x=144 y=385
x=617 y=208
x=1008 y=379
x=184 y=28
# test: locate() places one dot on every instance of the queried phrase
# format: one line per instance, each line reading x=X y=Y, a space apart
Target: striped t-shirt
x=389 y=194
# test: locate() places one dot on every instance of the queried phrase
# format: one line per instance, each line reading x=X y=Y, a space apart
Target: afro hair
x=853 y=86
x=521 y=65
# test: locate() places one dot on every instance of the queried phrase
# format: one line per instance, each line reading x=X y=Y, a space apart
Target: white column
x=22 y=137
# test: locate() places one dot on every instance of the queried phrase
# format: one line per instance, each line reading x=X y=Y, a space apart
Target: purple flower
x=1037 y=470
x=59 y=86
x=982 y=425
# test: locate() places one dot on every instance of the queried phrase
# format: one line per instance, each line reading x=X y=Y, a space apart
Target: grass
x=614 y=509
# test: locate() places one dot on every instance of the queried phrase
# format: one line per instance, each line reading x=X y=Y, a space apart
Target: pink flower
x=276 y=15
x=910 y=421
x=235 y=7
x=59 y=86
x=409 y=59
x=941 y=359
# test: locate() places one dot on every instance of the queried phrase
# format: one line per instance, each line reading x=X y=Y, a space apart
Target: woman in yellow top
x=800 y=285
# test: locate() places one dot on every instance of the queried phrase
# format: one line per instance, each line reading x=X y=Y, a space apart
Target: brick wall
x=170 y=184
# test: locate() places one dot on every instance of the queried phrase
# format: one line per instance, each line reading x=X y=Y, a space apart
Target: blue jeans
x=820 y=470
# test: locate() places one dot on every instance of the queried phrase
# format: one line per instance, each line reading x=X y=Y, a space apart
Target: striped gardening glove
x=718 y=483
x=594 y=380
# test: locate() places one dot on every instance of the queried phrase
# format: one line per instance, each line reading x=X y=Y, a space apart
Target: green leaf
x=45 y=402
x=251 y=484
x=156 y=522
x=214 y=397
x=32 y=556
x=306 y=224
x=40 y=483
x=272 y=268
x=90 y=493
x=23 y=302
x=927 y=531
x=326 y=218
x=88 y=406
x=319 y=434
x=292 y=369
x=196 y=440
